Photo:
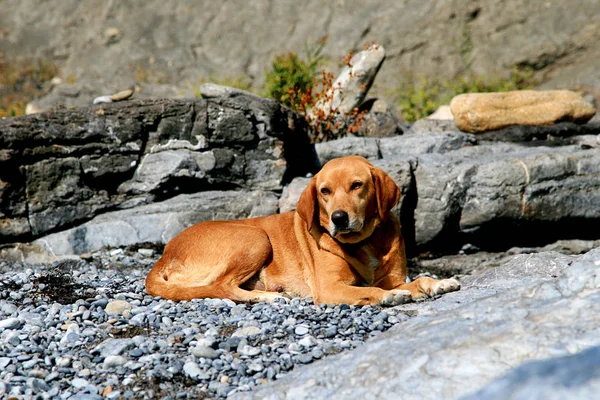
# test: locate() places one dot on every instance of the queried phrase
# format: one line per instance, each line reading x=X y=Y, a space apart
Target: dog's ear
x=386 y=192
x=307 y=205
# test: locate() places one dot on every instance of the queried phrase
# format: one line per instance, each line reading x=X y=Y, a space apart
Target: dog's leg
x=428 y=287
x=338 y=293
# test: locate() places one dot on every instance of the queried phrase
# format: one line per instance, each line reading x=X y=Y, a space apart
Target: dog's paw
x=444 y=286
x=395 y=297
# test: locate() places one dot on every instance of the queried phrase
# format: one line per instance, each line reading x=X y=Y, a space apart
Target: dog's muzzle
x=340 y=219
x=340 y=223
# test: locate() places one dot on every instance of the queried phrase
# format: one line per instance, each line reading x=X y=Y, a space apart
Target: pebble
x=117 y=335
x=204 y=352
x=192 y=370
x=10 y=323
x=117 y=307
x=114 y=361
x=102 y=99
x=248 y=331
x=301 y=330
x=79 y=383
x=122 y=95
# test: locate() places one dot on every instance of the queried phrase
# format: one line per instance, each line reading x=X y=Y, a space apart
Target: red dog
x=341 y=245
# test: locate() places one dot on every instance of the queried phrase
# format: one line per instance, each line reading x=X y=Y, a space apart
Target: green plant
x=291 y=78
x=422 y=95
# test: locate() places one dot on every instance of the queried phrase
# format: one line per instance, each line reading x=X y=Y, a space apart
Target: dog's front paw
x=395 y=297
x=445 y=286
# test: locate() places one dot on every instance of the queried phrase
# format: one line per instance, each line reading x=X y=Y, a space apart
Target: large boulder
x=61 y=168
x=351 y=86
x=481 y=112
x=493 y=195
x=534 y=307
x=155 y=223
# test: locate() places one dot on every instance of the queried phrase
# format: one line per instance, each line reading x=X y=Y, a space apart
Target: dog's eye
x=325 y=191
x=356 y=185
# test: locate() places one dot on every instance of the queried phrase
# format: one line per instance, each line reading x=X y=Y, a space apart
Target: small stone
x=307 y=341
x=10 y=323
x=113 y=347
x=255 y=367
x=122 y=95
x=117 y=307
x=102 y=99
x=204 y=352
x=112 y=35
x=114 y=361
x=301 y=330
x=79 y=383
x=63 y=362
x=330 y=331
x=305 y=358
x=192 y=370
x=249 y=351
x=146 y=252
x=247 y=331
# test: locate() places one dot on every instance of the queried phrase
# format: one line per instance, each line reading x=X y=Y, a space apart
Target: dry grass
x=22 y=79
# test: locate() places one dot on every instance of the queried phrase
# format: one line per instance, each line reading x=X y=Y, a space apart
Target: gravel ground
x=86 y=328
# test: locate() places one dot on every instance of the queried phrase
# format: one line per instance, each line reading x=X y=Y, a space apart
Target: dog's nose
x=340 y=218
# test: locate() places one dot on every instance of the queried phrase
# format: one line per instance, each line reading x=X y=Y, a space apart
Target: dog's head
x=349 y=198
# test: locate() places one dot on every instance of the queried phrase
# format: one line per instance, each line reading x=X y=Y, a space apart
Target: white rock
x=443 y=112
x=114 y=361
x=102 y=99
x=10 y=323
x=247 y=331
x=117 y=307
x=307 y=341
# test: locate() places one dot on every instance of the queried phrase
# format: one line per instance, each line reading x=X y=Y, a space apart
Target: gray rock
x=158 y=222
x=509 y=320
x=291 y=194
x=482 y=190
x=573 y=376
x=10 y=323
x=433 y=142
x=212 y=90
x=357 y=146
x=79 y=383
x=554 y=134
x=301 y=330
x=246 y=332
x=204 y=352
x=114 y=361
x=193 y=370
x=113 y=347
x=157 y=169
x=427 y=125
x=120 y=155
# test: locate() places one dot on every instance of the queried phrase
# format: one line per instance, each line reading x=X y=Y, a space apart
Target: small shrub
x=296 y=83
x=291 y=79
x=421 y=96
x=22 y=80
